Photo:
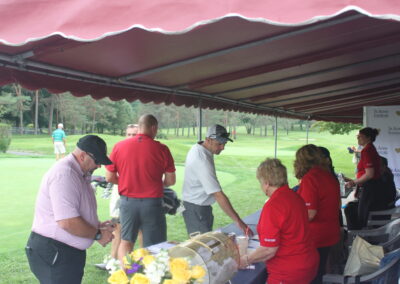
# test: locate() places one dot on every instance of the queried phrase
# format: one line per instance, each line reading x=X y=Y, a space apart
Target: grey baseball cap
x=219 y=133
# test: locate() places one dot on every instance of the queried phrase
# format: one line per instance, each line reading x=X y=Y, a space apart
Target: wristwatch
x=98 y=235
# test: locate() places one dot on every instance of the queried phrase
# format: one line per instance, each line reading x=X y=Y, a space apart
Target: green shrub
x=161 y=135
x=5 y=137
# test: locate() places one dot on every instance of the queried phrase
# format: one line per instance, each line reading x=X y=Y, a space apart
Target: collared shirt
x=369 y=159
x=65 y=193
x=141 y=163
x=284 y=224
x=58 y=135
x=321 y=192
x=200 y=180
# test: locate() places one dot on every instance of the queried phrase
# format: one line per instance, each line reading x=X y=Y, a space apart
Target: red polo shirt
x=320 y=191
x=140 y=163
x=284 y=223
x=369 y=159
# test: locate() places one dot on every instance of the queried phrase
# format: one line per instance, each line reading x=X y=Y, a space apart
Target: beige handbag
x=364 y=258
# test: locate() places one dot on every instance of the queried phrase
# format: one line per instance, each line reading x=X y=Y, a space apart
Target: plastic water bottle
x=342 y=184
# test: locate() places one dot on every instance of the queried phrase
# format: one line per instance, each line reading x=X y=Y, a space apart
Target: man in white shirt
x=201 y=187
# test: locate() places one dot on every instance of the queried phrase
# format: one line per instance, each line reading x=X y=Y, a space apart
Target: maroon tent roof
x=306 y=59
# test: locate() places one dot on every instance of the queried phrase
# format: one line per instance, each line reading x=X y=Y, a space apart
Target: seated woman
x=285 y=240
x=320 y=191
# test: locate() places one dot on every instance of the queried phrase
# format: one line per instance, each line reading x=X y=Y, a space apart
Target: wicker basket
x=216 y=252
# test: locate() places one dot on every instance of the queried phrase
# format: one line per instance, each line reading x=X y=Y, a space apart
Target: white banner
x=387 y=120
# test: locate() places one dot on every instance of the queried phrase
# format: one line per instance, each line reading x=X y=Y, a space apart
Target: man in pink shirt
x=65 y=222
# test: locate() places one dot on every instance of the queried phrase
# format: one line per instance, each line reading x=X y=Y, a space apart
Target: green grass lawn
x=21 y=175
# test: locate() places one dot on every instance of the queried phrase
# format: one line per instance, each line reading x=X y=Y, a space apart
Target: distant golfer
x=58 y=136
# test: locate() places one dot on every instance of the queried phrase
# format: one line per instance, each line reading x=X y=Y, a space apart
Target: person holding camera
x=356 y=154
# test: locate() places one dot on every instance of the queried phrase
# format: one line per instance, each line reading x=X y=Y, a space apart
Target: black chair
x=390 y=214
x=387 y=274
x=387 y=236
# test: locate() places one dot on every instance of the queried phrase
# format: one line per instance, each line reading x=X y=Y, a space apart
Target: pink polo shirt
x=65 y=193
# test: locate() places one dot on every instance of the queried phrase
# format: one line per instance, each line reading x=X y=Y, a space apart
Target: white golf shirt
x=200 y=179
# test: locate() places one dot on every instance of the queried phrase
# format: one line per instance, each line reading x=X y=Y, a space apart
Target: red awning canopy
x=307 y=59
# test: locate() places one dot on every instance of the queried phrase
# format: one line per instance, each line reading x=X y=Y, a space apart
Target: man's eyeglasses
x=93 y=158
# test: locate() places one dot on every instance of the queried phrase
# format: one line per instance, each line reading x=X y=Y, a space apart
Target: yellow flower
x=118 y=277
x=182 y=276
x=178 y=264
x=198 y=272
x=139 y=253
x=171 y=281
x=139 y=278
x=127 y=263
x=147 y=259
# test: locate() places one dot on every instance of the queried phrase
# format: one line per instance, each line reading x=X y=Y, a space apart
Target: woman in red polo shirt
x=285 y=241
x=321 y=193
x=368 y=181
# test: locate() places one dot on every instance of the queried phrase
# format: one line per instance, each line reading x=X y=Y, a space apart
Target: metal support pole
x=276 y=136
x=199 y=122
x=307 y=130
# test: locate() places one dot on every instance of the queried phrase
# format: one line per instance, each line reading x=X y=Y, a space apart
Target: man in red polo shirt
x=141 y=167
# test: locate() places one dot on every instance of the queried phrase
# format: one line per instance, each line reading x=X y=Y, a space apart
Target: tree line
x=42 y=111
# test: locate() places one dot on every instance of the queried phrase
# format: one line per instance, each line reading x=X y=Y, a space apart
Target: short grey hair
x=272 y=171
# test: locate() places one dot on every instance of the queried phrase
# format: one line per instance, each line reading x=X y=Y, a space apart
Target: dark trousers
x=53 y=262
x=351 y=212
x=197 y=218
x=323 y=258
x=371 y=196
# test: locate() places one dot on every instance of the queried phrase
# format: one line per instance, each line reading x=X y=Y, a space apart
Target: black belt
x=50 y=240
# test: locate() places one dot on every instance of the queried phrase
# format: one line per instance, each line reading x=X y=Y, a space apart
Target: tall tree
x=36 y=111
x=7 y=99
x=286 y=123
x=51 y=112
x=21 y=105
x=335 y=128
x=124 y=116
x=248 y=121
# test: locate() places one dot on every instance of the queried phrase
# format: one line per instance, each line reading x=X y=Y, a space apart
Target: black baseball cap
x=96 y=146
x=219 y=133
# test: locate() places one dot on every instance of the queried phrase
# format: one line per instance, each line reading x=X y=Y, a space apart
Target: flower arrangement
x=112 y=264
x=143 y=268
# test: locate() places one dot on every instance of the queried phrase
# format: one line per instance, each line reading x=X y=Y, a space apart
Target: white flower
x=157 y=269
x=113 y=265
